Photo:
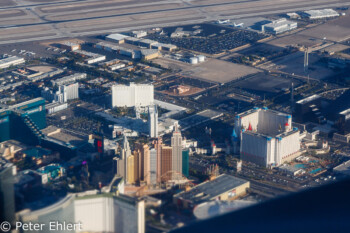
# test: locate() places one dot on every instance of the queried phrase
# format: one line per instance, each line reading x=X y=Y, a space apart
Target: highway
x=73 y=18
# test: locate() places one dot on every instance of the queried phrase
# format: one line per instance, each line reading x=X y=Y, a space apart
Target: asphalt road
x=114 y=17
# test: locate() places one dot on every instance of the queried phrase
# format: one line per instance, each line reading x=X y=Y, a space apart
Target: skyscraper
x=137 y=170
x=153 y=166
x=158 y=147
x=7 y=196
x=131 y=169
x=176 y=145
x=166 y=163
x=132 y=95
x=266 y=137
x=144 y=163
x=185 y=162
x=125 y=153
x=153 y=121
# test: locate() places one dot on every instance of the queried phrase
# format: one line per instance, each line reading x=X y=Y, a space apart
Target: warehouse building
x=117 y=37
x=71 y=46
x=266 y=137
x=138 y=34
x=132 y=95
x=279 y=26
x=69 y=79
x=132 y=40
x=164 y=47
x=147 y=43
x=11 y=61
x=149 y=54
x=223 y=187
x=320 y=14
x=92 y=57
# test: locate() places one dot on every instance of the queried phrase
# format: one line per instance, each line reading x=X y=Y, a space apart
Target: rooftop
x=37 y=152
x=10 y=59
x=63 y=136
x=308 y=99
x=343 y=168
x=4 y=164
x=210 y=189
x=345 y=112
x=116 y=36
x=278 y=23
x=321 y=13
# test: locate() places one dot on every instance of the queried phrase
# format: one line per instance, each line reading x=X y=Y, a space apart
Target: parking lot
x=213 y=39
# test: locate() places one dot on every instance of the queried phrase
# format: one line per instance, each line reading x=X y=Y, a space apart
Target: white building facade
x=266 y=137
x=91 y=212
x=153 y=121
x=70 y=92
x=153 y=166
x=132 y=95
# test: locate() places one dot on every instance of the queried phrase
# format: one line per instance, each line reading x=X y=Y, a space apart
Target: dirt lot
x=212 y=70
x=7 y=3
x=43 y=69
x=11 y=13
x=219 y=71
x=335 y=30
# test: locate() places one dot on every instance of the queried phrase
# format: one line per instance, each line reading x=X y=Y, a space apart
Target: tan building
x=143 y=162
x=70 y=46
x=158 y=146
x=131 y=170
x=223 y=187
x=137 y=170
x=166 y=163
x=149 y=54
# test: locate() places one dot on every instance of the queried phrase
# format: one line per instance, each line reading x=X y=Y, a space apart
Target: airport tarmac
x=30 y=20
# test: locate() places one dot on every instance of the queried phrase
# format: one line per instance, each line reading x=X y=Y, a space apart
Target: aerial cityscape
x=134 y=116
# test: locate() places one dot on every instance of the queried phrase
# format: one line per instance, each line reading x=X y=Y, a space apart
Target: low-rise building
x=343 y=169
x=290 y=170
x=279 y=26
x=223 y=187
x=11 y=61
x=341 y=137
x=320 y=14
x=70 y=46
x=149 y=54
x=116 y=37
x=55 y=107
x=139 y=34
x=69 y=79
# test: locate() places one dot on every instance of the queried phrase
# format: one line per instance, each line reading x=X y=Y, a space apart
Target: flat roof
x=321 y=13
x=308 y=99
x=4 y=164
x=278 y=23
x=210 y=189
x=26 y=102
x=345 y=112
x=256 y=109
x=116 y=36
x=343 y=168
x=10 y=59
